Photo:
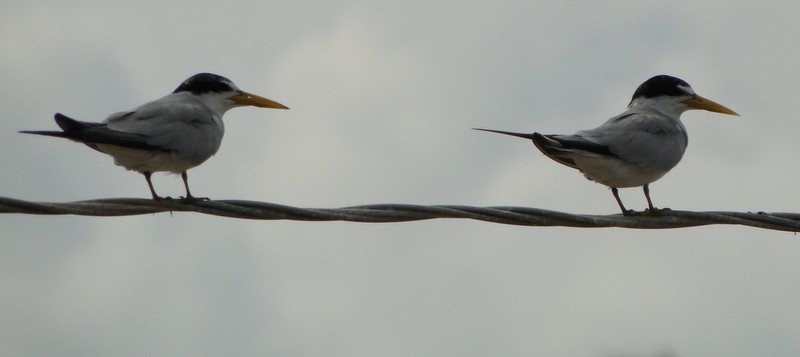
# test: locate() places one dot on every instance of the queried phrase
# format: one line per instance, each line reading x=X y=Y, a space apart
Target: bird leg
x=646 y=190
x=625 y=212
x=147 y=175
x=652 y=210
x=189 y=197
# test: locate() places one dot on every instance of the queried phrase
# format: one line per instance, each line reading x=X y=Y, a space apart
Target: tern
x=174 y=133
x=634 y=148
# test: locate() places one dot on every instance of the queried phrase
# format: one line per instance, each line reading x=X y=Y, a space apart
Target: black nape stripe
x=205 y=83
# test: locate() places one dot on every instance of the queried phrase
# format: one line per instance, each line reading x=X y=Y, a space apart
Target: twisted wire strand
x=388 y=213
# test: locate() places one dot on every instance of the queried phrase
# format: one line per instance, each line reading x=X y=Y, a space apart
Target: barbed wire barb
x=394 y=213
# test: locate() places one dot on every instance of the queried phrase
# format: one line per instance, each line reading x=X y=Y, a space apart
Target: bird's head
x=671 y=95
x=221 y=93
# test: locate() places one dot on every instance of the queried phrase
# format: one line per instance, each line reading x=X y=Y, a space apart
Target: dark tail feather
x=66 y=123
x=553 y=149
x=550 y=147
x=519 y=135
x=93 y=134
x=558 y=143
x=546 y=145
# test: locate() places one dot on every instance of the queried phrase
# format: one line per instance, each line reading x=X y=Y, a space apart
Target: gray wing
x=648 y=139
x=184 y=127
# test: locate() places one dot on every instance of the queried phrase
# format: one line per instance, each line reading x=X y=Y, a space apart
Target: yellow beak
x=698 y=102
x=251 y=99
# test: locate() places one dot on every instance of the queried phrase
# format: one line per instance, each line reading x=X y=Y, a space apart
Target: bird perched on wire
x=636 y=147
x=174 y=133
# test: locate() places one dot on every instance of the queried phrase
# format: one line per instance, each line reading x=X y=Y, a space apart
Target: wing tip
x=58 y=134
x=66 y=123
x=519 y=135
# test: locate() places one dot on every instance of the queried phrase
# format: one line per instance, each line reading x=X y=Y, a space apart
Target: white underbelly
x=145 y=160
x=614 y=172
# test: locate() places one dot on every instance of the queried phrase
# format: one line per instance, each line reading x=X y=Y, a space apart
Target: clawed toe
x=191 y=199
x=657 y=211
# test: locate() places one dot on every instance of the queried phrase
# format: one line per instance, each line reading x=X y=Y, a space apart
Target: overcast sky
x=383 y=96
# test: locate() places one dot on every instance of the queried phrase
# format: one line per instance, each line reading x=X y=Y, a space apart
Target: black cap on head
x=205 y=83
x=662 y=85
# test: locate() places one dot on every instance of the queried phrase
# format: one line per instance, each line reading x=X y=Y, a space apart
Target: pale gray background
x=383 y=96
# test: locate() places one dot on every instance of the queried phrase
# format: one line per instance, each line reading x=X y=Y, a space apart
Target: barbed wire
x=387 y=213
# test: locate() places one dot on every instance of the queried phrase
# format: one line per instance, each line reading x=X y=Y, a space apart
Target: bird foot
x=654 y=212
x=657 y=211
x=191 y=199
x=188 y=199
x=631 y=213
